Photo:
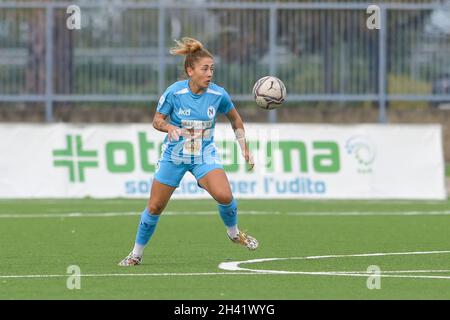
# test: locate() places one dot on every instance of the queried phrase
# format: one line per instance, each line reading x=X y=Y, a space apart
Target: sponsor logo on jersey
x=184 y=112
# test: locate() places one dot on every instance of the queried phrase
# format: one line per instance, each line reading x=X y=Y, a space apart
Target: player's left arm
x=238 y=127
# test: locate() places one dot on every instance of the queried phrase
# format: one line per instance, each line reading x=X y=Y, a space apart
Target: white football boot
x=245 y=240
x=130 y=260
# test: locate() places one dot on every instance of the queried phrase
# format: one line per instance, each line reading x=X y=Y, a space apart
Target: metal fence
x=322 y=51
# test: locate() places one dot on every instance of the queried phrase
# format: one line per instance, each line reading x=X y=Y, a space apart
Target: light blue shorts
x=171 y=174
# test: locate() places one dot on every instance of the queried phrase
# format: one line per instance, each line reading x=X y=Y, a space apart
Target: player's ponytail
x=192 y=49
x=186 y=46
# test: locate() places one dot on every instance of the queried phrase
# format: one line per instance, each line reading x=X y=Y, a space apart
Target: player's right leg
x=166 y=180
x=159 y=197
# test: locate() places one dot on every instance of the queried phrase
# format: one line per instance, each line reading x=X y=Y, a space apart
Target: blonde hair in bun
x=192 y=49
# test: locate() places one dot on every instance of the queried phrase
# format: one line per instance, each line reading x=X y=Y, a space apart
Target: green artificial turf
x=45 y=237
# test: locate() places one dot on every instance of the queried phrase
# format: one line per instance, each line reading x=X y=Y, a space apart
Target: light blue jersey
x=196 y=115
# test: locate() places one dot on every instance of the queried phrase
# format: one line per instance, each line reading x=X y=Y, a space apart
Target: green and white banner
x=292 y=161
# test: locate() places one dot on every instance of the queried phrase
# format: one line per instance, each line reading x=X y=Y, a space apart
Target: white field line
x=130 y=201
x=386 y=274
x=207 y=213
x=236 y=270
x=235 y=266
x=391 y=271
x=119 y=214
x=126 y=275
x=371 y=213
x=376 y=254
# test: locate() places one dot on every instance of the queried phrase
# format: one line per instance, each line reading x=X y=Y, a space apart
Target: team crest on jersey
x=211 y=112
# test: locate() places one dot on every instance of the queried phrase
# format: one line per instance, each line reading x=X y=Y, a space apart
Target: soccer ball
x=269 y=92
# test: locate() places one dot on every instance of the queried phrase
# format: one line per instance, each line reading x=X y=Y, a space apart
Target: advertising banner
x=296 y=161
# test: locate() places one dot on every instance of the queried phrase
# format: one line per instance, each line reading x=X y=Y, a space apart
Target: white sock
x=233 y=231
x=138 y=250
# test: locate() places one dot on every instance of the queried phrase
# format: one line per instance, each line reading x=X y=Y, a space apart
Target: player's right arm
x=164 y=109
x=160 y=124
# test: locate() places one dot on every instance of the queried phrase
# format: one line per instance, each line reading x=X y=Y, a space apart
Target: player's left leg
x=215 y=181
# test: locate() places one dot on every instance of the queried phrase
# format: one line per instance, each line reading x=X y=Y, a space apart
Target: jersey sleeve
x=225 y=104
x=165 y=105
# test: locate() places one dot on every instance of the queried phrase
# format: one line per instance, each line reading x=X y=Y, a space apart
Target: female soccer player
x=192 y=106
